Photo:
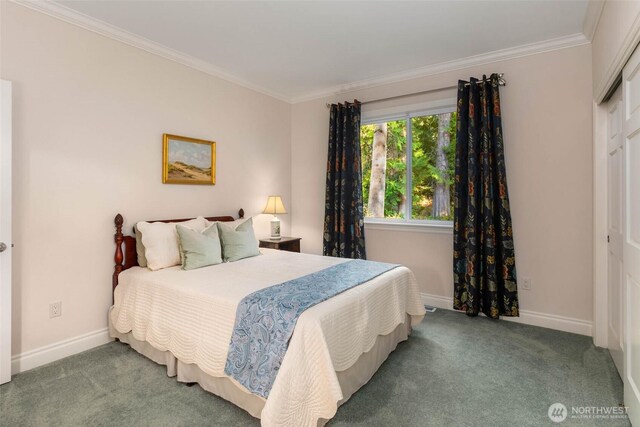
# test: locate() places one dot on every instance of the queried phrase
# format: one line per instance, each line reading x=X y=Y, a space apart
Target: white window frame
x=407 y=223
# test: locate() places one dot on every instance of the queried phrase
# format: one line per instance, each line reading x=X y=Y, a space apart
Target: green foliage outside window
x=395 y=190
x=425 y=172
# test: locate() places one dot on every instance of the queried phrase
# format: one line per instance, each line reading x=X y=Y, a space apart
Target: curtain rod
x=501 y=82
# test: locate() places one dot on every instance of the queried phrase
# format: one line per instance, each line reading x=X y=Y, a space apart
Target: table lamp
x=274 y=207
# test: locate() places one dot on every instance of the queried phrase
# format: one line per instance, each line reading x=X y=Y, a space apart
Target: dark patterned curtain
x=484 y=268
x=343 y=213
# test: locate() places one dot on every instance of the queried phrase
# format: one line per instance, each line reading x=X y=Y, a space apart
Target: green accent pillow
x=199 y=249
x=239 y=243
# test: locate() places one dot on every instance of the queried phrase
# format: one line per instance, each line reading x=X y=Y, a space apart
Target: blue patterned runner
x=266 y=318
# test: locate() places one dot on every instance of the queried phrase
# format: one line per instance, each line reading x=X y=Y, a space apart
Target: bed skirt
x=350 y=379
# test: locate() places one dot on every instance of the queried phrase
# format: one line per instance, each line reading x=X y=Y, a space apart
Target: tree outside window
x=429 y=141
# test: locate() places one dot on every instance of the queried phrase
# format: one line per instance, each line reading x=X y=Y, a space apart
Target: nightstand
x=291 y=244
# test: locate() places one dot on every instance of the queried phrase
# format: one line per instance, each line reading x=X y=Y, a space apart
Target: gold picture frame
x=188 y=160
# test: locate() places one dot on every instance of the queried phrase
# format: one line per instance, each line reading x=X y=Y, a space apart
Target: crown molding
x=71 y=16
x=592 y=18
x=458 y=64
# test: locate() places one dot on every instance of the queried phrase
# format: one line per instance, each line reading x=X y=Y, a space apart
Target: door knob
x=3 y=247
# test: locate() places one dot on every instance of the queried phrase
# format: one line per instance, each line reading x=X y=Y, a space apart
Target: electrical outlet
x=55 y=309
x=526 y=283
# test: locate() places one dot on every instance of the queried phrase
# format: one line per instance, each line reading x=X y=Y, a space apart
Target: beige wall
x=616 y=24
x=547 y=127
x=89 y=114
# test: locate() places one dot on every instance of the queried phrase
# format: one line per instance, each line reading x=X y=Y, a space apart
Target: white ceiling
x=296 y=49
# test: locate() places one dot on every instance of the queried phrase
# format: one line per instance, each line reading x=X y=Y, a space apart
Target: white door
x=614 y=228
x=5 y=231
x=631 y=234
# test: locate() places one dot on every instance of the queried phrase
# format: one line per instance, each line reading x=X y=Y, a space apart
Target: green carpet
x=453 y=371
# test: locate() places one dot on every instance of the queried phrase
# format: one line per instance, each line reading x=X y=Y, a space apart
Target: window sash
x=408 y=209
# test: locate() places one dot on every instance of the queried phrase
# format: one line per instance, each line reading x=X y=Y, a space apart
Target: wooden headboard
x=129 y=258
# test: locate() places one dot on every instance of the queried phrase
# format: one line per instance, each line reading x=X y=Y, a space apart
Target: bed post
x=118 y=258
x=241 y=213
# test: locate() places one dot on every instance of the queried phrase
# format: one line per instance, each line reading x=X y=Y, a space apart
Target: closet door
x=5 y=231
x=631 y=234
x=614 y=228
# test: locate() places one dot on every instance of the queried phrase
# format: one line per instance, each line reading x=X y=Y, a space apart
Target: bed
x=185 y=320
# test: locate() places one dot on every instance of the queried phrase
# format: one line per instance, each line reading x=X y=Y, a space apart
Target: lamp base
x=275 y=229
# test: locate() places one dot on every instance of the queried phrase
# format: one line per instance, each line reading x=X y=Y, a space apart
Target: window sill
x=432 y=227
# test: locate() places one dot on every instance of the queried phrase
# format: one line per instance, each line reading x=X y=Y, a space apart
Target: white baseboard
x=50 y=353
x=56 y=351
x=534 y=318
x=437 y=301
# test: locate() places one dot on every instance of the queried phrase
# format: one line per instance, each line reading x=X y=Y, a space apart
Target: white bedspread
x=192 y=314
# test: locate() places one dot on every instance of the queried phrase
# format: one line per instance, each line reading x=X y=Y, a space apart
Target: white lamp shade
x=274 y=206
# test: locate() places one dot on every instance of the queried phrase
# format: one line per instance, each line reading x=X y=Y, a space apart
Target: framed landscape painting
x=188 y=160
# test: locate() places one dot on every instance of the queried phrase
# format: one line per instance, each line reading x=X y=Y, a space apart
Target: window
x=408 y=167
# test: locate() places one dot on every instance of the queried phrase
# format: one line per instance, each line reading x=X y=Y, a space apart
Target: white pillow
x=160 y=240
